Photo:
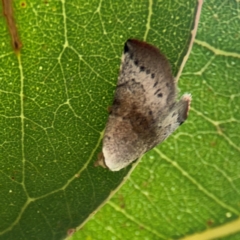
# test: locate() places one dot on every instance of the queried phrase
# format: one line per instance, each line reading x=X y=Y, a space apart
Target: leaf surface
x=54 y=95
x=188 y=187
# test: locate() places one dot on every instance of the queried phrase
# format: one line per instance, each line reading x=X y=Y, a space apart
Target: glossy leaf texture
x=188 y=187
x=54 y=94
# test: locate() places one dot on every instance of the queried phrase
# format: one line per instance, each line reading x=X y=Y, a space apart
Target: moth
x=145 y=110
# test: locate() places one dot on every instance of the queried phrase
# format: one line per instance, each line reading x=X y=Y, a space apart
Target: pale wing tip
x=187 y=97
x=101 y=161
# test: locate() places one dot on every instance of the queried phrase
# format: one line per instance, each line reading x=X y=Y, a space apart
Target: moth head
x=100 y=161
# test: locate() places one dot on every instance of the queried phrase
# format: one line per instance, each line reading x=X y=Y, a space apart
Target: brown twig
x=8 y=13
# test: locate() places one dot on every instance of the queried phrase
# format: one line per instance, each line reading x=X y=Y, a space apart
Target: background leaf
x=189 y=185
x=54 y=96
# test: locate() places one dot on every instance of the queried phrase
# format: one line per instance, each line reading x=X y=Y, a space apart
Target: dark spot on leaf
x=210 y=222
x=23 y=4
x=71 y=231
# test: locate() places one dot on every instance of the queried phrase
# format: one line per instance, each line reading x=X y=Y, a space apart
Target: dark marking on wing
x=139 y=122
x=167 y=129
x=157 y=91
x=160 y=95
x=152 y=75
x=136 y=62
x=142 y=68
x=116 y=102
x=8 y=13
x=122 y=84
x=155 y=84
x=179 y=120
x=126 y=48
x=148 y=71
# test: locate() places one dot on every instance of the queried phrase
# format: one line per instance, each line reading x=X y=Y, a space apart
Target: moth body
x=144 y=111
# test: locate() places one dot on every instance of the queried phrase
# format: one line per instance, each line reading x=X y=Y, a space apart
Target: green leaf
x=54 y=96
x=188 y=187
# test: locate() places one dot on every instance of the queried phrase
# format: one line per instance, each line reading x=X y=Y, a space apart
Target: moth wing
x=145 y=64
x=127 y=126
x=177 y=115
x=144 y=111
